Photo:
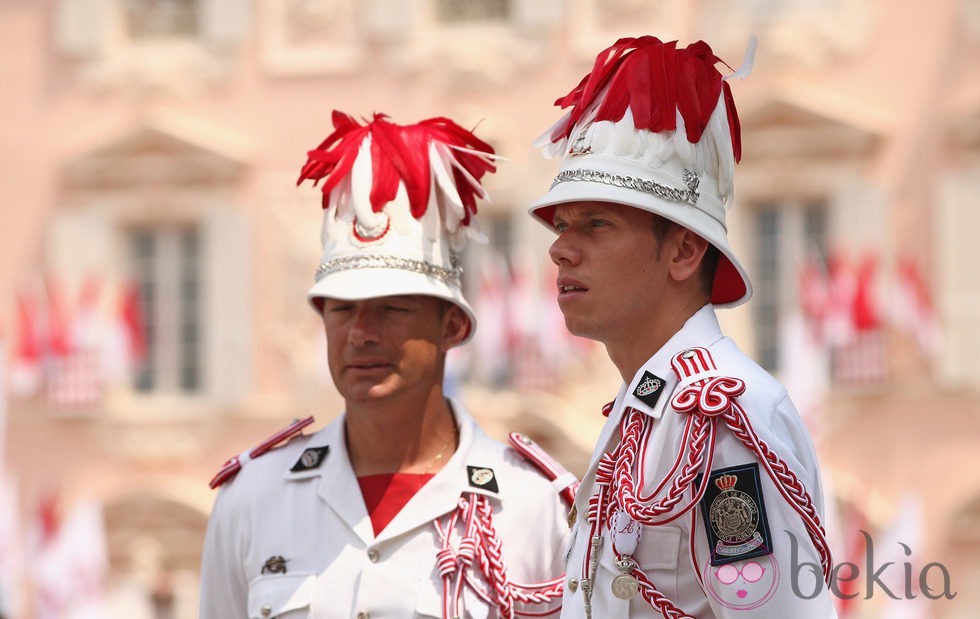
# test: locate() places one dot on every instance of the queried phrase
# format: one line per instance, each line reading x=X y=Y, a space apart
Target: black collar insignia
x=311 y=459
x=649 y=388
x=482 y=477
x=274 y=565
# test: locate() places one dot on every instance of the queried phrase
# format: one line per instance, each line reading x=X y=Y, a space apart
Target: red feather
x=655 y=80
x=400 y=155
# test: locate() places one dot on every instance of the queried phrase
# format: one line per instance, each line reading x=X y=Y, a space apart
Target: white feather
x=361 y=181
x=453 y=211
x=430 y=220
x=548 y=148
x=452 y=206
x=686 y=151
x=748 y=61
x=399 y=212
x=718 y=137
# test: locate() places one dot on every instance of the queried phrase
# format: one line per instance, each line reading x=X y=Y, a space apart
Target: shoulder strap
x=234 y=464
x=564 y=482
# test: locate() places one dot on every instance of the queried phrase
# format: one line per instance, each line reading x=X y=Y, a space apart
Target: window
x=166 y=266
x=162 y=19
x=785 y=235
x=462 y=11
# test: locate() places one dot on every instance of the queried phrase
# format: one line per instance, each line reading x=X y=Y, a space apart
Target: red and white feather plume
x=433 y=163
x=675 y=101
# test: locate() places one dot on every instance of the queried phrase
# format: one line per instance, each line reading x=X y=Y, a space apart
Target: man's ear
x=690 y=250
x=455 y=326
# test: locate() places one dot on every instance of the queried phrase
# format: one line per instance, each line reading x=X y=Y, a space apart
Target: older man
x=402 y=507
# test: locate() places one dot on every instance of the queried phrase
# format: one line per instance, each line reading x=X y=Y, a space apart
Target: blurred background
x=154 y=255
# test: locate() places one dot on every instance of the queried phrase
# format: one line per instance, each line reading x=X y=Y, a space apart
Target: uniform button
x=266 y=610
x=687 y=354
x=363 y=614
x=373 y=555
x=572 y=585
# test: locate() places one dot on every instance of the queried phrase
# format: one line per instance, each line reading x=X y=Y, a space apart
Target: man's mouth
x=566 y=286
x=368 y=365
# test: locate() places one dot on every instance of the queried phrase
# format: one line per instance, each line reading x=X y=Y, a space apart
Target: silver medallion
x=624 y=586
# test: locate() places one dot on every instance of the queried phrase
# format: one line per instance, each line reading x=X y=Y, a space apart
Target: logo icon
x=744 y=585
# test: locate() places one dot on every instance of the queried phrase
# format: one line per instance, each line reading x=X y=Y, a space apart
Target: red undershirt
x=385 y=495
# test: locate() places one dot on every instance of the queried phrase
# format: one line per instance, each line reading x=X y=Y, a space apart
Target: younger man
x=704 y=487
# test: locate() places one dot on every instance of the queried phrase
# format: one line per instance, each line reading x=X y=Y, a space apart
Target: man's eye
x=561 y=227
x=598 y=223
x=334 y=309
x=396 y=308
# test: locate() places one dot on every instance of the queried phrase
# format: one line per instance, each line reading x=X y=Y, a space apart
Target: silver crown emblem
x=648 y=386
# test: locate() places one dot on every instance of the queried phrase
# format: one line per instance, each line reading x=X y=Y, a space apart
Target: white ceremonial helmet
x=654 y=127
x=399 y=204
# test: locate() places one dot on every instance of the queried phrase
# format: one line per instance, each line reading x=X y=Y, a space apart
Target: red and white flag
x=86 y=326
x=75 y=378
x=864 y=307
x=124 y=342
x=26 y=365
x=11 y=550
x=913 y=310
x=133 y=317
x=70 y=563
x=59 y=342
x=12 y=583
x=814 y=294
x=839 y=314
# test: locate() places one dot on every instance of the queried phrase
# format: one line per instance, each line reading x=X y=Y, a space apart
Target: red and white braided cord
x=786 y=481
x=706 y=400
x=481 y=545
x=700 y=450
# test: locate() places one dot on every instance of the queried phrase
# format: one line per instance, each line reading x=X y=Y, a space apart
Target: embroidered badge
x=482 y=477
x=735 y=515
x=274 y=565
x=310 y=459
x=649 y=388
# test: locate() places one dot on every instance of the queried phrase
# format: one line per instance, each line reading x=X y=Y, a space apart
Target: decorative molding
x=150 y=156
x=776 y=129
x=298 y=37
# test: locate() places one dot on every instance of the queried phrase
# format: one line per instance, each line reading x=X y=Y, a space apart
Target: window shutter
x=953 y=280
x=228 y=276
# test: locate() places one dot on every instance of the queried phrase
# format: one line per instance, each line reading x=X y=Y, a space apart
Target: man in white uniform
x=703 y=498
x=402 y=507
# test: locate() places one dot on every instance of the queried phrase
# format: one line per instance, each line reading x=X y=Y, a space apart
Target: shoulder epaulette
x=234 y=464
x=563 y=480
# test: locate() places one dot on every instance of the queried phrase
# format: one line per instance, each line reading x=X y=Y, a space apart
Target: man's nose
x=364 y=326
x=563 y=250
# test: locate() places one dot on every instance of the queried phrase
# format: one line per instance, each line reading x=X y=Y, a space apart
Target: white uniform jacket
x=290 y=543
x=786 y=583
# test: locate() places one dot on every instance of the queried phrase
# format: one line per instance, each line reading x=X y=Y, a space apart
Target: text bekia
x=933 y=578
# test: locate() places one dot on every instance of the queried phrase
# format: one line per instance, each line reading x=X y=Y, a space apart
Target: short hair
x=709 y=262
